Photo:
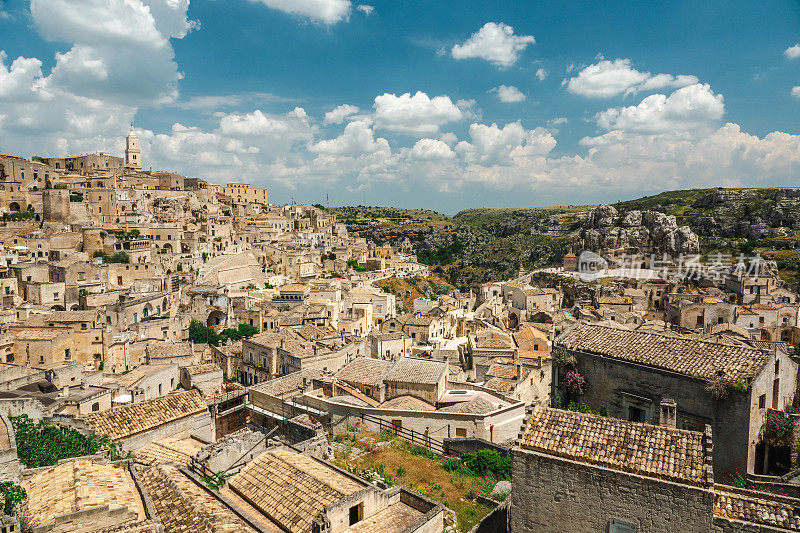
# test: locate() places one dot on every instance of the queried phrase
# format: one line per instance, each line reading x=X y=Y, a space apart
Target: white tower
x=133 y=156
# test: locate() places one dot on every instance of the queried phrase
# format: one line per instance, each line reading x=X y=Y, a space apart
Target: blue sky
x=442 y=105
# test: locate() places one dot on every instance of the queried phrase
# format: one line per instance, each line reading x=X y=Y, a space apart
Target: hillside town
x=183 y=356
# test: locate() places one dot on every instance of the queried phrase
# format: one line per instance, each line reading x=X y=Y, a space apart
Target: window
x=81 y=276
x=461 y=432
x=356 y=513
x=777 y=365
x=762 y=401
x=95 y=406
x=66 y=353
x=776 y=391
x=635 y=414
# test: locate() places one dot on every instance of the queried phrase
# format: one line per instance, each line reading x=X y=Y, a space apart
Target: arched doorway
x=216 y=318
x=14 y=207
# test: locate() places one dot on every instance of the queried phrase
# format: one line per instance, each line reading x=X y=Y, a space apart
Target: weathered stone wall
x=618 y=384
x=555 y=495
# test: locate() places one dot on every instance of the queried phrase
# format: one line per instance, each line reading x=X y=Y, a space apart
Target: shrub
x=574 y=382
x=201 y=334
x=491 y=462
x=778 y=428
x=42 y=444
x=12 y=494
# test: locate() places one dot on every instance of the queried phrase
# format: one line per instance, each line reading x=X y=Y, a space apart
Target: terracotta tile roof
x=476 y=406
x=653 y=451
x=163 y=350
x=413 y=370
x=292 y=489
x=493 y=343
x=196 y=370
x=78 y=485
x=407 y=403
x=183 y=507
x=290 y=383
x=502 y=371
x=139 y=373
x=756 y=507
x=394 y=519
x=365 y=371
x=684 y=355
x=123 y=422
x=39 y=334
x=171 y=450
x=145 y=526
x=500 y=385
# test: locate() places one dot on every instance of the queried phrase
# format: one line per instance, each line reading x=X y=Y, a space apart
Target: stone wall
x=550 y=492
x=619 y=385
x=497 y=521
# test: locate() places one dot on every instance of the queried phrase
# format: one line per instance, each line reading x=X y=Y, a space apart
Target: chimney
x=669 y=409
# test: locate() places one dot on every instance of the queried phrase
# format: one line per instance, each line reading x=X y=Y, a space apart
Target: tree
x=202 y=334
x=12 y=494
x=118 y=257
x=246 y=330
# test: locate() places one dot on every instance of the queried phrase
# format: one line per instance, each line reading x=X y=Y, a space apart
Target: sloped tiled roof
x=502 y=371
x=164 y=350
x=413 y=370
x=654 y=451
x=78 y=485
x=500 y=385
x=365 y=370
x=292 y=489
x=196 y=370
x=170 y=450
x=757 y=507
x=475 y=406
x=684 y=355
x=407 y=403
x=394 y=519
x=183 y=507
x=123 y=422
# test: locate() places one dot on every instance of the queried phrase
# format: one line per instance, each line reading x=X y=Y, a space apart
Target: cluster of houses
x=217 y=340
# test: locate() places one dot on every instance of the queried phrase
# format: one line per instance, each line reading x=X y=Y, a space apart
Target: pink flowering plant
x=778 y=428
x=574 y=382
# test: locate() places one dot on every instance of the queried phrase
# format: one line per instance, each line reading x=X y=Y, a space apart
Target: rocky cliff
x=635 y=232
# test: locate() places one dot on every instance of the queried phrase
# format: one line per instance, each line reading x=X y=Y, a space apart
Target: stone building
x=302 y=494
x=727 y=386
x=586 y=473
x=136 y=425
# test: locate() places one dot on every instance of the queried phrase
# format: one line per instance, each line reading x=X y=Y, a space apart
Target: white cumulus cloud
x=418 y=114
x=793 y=52
x=431 y=150
x=690 y=109
x=612 y=78
x=324 y=11
x=339 y=113
x=366 y=9
x=494 y=42
x=357 y=139
x=541 y=74
x=796 y=91
x=508 y=94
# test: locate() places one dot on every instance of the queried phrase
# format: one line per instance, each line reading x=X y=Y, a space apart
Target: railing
x=415 y=438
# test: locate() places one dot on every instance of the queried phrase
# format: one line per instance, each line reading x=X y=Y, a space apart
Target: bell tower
x=133 y=156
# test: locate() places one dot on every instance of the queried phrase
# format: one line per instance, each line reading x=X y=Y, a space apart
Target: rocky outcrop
x=635 y=232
